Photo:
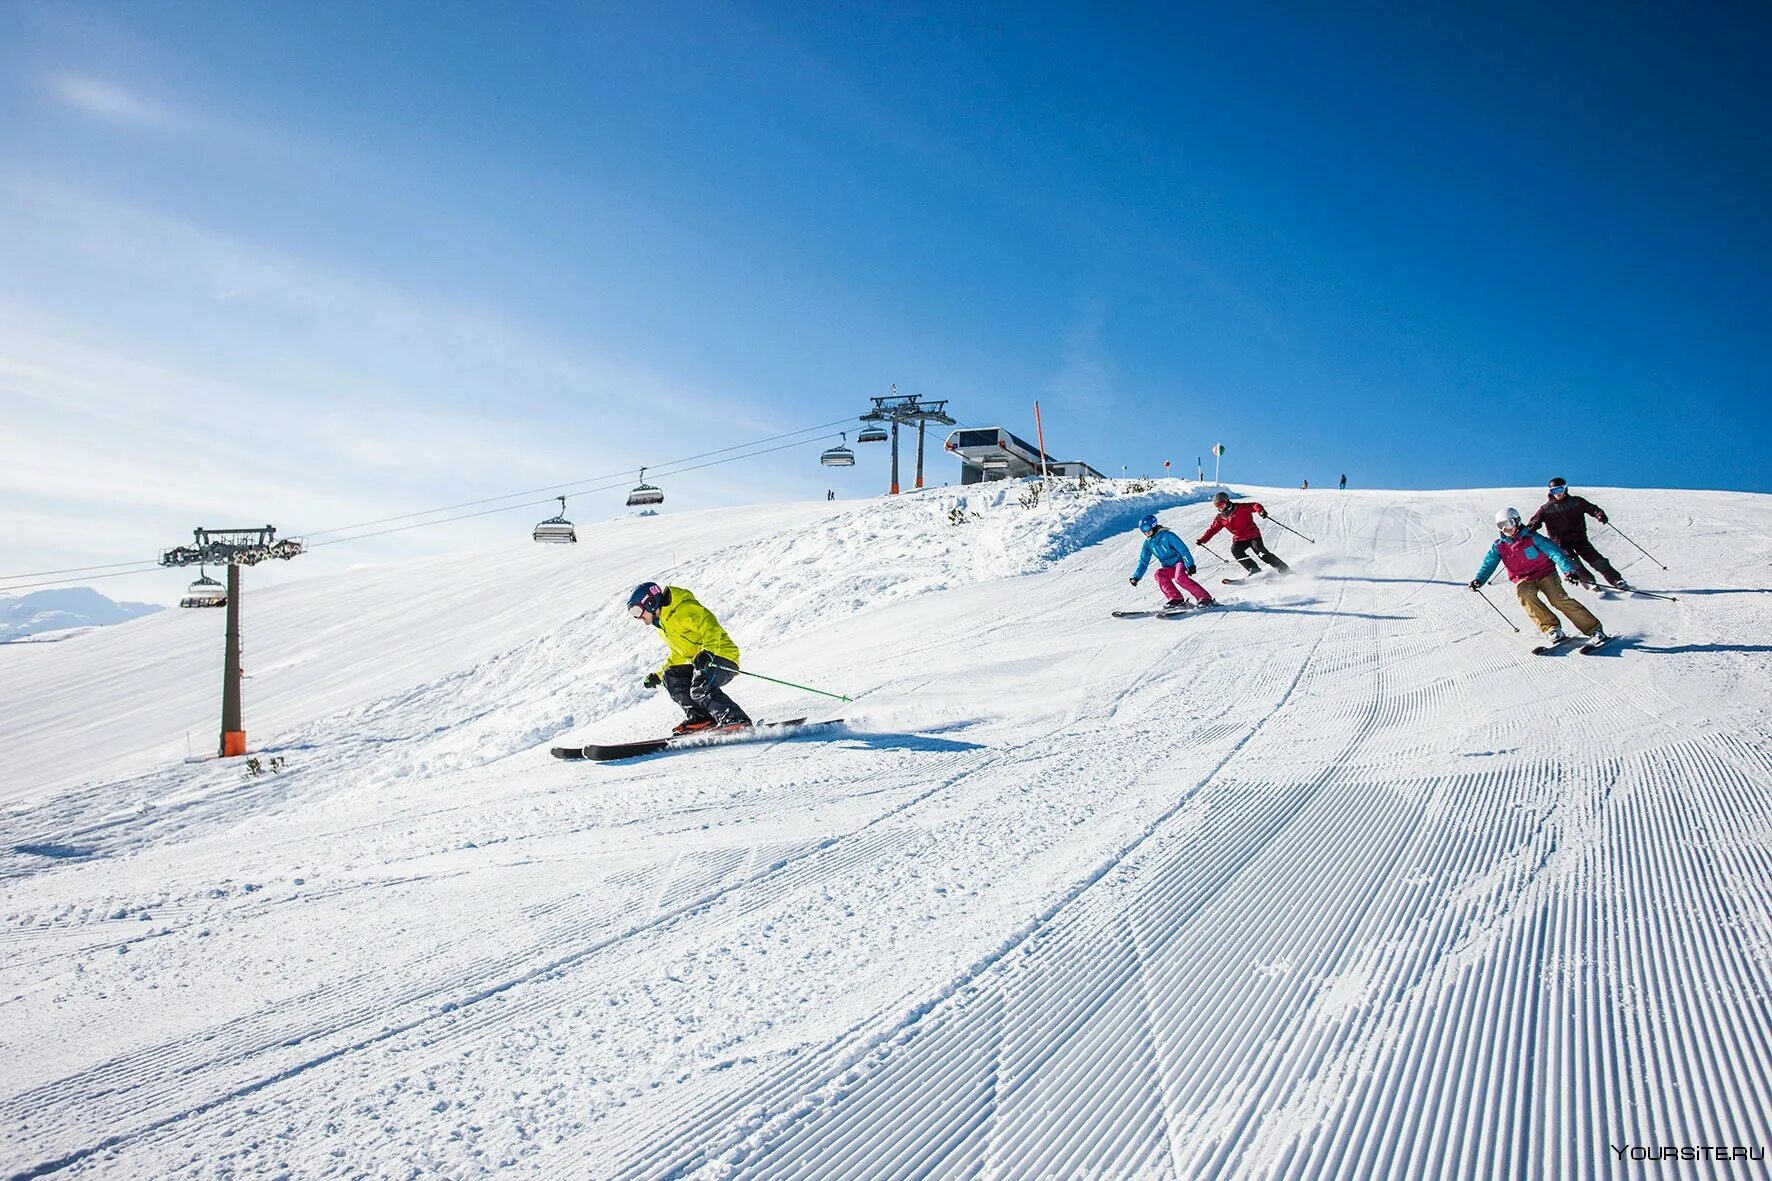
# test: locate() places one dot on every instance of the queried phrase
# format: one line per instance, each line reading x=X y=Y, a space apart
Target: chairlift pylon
x=556 y=530
x=644 y=493
x=205 y=592
x=840 y=455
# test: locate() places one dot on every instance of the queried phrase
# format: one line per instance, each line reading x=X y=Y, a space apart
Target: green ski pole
x=803 y=688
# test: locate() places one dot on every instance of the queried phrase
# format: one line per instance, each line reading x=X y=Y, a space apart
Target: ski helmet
x=1507 y=516
x=646 y=600
x=1222 y=499
x=1148 y=523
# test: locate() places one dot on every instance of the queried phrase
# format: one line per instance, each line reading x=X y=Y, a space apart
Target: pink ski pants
x=1170 y=578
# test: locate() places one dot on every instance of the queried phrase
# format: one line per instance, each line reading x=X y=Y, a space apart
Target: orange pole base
x=233 y=743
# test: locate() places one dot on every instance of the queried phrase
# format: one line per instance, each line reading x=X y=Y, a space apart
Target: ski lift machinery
x=205 y=592
x=644 y=493
x=840 y=455
x=556 y=530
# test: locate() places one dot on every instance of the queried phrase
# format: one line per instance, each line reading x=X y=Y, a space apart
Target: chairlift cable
x=8 y=583
x=550 y=500
x=619 y=477
x=69 y=570
x=85 y=578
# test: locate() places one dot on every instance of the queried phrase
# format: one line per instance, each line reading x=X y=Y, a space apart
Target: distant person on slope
x=702 y=657
x=1532 y=562
x=1344 y=481
x=1239 y=520
x=1175 y=565
x=1564 y=517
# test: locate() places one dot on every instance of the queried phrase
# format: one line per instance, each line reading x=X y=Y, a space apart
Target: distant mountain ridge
x=58 y=610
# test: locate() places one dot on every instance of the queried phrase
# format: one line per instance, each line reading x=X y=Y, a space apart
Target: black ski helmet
x=647 y=598
x=1559 y=485
x=1222 y=499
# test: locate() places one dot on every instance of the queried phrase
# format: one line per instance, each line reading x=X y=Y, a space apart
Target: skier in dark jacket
x=701 y=657
x=1175 y=565
x=1239 y=520
x=1564 y=517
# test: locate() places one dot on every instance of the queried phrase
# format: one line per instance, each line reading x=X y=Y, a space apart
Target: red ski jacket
x=1239 y=519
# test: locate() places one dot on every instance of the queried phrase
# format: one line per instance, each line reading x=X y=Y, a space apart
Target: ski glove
x=1603 y=520
x=1133 y=581
x=703 y=659
x=1475 y=585
x=1190 y=571
x=652 y=681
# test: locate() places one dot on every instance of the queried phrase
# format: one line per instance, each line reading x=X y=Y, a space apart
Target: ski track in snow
x=1338 y=880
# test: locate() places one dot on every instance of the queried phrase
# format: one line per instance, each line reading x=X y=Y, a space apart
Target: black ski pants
x=1240 y=551
x=697 y=690
x=1581 y=550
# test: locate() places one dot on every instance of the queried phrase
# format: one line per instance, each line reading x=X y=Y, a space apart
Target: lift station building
x=992 y=453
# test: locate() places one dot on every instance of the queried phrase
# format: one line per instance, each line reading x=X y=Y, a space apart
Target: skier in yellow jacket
x=702 y=657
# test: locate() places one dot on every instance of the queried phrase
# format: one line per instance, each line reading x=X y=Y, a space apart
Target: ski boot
x=691 y=726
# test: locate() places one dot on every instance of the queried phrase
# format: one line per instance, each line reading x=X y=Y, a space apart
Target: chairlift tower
x=897 y=408
x=232 y=548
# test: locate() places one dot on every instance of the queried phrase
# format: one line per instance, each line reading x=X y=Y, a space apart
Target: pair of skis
x=1611 y=592
x=1159 y=612
x=615 y=752
x=1587 y=648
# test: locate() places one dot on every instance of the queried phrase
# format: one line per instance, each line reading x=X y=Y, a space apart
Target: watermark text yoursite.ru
x=1689 y=1152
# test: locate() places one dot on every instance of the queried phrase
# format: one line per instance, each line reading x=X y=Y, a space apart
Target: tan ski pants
x=1551 y=587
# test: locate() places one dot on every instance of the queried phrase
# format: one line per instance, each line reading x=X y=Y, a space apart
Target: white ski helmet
x=1507 y=516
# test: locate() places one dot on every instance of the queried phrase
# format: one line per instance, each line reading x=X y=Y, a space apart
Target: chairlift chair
x=205 y=592
x=556 y=530
x=644 y=493
x=994 y=463
x=838 y=456
x=873 y=434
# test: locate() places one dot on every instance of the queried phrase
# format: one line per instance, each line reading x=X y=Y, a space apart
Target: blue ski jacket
x=1166 y=548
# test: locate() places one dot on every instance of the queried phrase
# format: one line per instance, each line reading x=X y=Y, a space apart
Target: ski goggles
x=1560 y=490
x=637 y=611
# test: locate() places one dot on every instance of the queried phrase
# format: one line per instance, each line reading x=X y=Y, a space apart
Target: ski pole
x=1290 y=529
x=1640 y=549
x=1497 y=610
x=1653 y=595
x=805 y=688
x=1211 y=551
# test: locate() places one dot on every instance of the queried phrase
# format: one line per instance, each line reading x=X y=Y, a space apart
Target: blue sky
x=320 y=263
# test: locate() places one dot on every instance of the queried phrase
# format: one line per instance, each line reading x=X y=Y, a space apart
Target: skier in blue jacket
x=1174 y=564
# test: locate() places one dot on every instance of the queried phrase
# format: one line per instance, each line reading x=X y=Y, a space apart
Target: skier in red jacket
x=1239 y=520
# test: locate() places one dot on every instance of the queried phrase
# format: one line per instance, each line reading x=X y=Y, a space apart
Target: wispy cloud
x=106 y=100
x=155 y=374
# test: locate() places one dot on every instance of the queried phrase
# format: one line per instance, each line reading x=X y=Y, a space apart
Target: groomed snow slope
x=1338 y=881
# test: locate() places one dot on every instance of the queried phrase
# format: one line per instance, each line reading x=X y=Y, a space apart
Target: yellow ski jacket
x=689 y=628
